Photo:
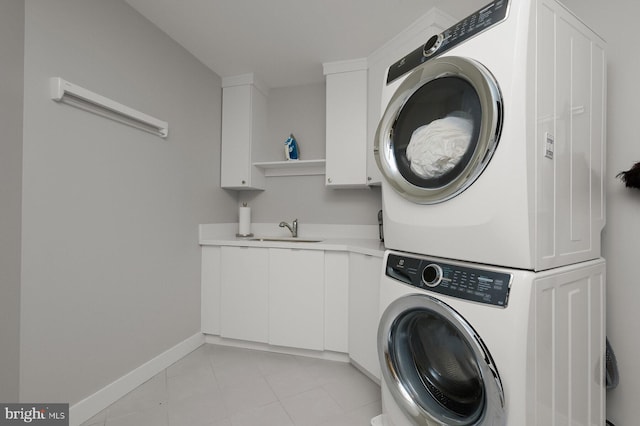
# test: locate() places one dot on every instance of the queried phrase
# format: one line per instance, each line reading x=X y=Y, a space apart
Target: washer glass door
x=440 y=129
x=436 y=366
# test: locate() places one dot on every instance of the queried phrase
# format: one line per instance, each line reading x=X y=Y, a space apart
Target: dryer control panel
x=488 y=16
x=464 y=282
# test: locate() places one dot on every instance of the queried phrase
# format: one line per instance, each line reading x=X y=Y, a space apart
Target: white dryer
x=463 y=344
x=493 y=137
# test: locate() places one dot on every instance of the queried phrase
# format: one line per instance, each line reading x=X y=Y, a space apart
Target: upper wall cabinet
x=346 y=149
x=244 y=125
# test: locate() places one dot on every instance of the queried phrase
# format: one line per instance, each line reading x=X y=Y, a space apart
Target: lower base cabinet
x=336 y=301
x=244 y=293
x=364 y=315
x=296 y=298
x=210 y=290
x=306 y=299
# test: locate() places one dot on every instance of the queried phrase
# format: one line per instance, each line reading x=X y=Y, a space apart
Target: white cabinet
x=320 y=300
x=364 y=300
x=210 y=289
x=296 y=298
x=336 y=297
x=244 y=125
x=346 y=125
x=244 y=295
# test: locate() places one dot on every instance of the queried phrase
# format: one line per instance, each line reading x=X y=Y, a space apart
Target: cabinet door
x=364 y=288
x=210 y=288
x=243 y=124
x=336 y=309
x=296 y=298
x=236 y=136
x=346 y=145
x=244 y=293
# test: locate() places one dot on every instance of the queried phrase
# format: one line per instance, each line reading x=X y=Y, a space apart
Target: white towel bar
x=63 y=91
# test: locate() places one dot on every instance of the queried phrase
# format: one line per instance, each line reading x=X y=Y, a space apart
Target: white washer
x=508 y=166
x=463 y=344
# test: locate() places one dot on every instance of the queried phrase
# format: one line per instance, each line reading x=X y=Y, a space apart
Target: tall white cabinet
x=346 y=123
x=244 y=126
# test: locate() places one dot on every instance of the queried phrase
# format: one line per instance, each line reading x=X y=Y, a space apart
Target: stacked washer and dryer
x=492 y=296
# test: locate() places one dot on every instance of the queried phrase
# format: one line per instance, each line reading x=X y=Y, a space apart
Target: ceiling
x=285 y=42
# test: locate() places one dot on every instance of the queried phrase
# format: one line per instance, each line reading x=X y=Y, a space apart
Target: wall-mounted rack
x=72 y=94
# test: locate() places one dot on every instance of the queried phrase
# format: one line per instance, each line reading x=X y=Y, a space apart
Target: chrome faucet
x=293 y=227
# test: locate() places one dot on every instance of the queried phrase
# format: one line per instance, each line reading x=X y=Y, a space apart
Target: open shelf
x=292 y=167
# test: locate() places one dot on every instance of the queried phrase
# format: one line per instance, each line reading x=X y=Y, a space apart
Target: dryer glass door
x=440 y=129
x=436 y=366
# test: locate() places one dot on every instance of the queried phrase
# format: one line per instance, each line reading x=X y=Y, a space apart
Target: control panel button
x=432 y=275
x=432 y=45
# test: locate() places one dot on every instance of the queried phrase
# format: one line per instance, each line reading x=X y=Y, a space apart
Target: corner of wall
x=11 y=111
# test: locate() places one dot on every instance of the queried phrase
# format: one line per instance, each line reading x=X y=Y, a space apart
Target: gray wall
x=11 y=99
x=616 y=22
x=111 y=262
x=301 y=110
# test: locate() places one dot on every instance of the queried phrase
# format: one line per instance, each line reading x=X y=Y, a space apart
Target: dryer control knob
x=432 y=275
x=432 y=45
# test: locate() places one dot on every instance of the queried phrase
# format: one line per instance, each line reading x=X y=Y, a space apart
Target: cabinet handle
x=244 y=182
x=329 y=180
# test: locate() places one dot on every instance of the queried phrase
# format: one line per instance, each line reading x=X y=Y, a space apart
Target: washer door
x=436 y=366
x=440 y=129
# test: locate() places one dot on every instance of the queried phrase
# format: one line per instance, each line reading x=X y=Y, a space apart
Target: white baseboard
x=378 y=420
x=327 y=355
x=364 y=371
x=92 y=405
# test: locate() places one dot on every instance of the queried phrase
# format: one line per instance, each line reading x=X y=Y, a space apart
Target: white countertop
x=353 y=238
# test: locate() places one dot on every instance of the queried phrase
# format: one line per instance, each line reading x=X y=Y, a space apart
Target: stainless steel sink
x=285 y=239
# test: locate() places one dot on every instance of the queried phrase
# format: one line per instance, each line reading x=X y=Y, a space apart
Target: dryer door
x=440 y=129
x=436 y=366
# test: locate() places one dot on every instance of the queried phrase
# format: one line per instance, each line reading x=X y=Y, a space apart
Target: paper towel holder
x=239 y=234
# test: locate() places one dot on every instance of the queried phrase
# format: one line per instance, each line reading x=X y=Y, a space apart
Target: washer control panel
x=488 y=16
x=464 y=282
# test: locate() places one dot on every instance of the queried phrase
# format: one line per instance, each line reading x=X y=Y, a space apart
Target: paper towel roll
x=244 y=221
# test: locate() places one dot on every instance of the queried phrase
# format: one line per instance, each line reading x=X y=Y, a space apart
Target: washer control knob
x=432 y=275
x=432 y=45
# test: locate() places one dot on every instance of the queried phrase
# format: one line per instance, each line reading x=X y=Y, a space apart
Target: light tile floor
x=227 y=386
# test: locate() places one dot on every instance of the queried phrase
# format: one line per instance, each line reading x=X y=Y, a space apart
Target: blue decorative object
x=291 y=148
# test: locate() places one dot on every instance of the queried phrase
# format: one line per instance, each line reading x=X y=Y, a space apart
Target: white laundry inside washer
x=436 y=148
